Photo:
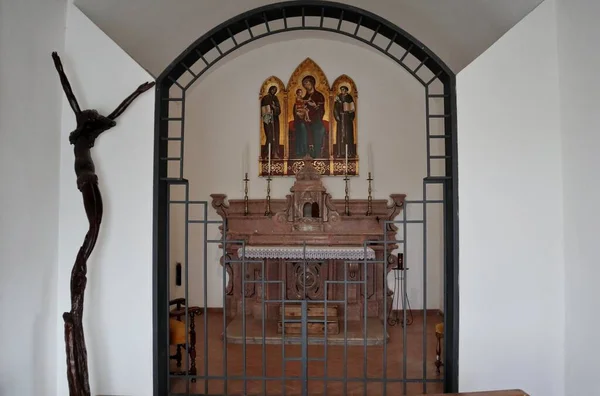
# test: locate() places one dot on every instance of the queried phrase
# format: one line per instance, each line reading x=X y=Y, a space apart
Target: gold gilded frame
x=292 y=154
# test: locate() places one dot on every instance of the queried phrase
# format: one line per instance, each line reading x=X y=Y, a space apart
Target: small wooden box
x=315 y=317
x=312 y=310
x=315 y=326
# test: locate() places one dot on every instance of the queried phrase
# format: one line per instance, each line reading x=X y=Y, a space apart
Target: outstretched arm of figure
x=121 y=108
x=65 y=84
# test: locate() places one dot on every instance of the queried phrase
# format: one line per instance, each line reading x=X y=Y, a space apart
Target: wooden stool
x=439 y=334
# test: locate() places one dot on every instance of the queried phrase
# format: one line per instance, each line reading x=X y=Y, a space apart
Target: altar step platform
x=317 y=317
x=315 y=323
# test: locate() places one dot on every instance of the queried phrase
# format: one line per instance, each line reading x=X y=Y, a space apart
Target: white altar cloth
x=311 y=252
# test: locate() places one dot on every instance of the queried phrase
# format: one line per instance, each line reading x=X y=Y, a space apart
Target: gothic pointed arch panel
x=308 y=67
x=345 y=122
x=309 y=112
x=308 y=119
x=273 y=97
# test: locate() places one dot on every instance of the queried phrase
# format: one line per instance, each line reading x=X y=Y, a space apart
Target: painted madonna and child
x=308 y=119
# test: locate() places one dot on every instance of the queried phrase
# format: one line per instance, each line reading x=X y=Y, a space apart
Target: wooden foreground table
x=513 y=392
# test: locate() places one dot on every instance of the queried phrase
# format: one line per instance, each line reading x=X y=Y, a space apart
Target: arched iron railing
x=305 y=15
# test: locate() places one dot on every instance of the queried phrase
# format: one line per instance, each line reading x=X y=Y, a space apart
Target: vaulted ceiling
x=155 y=32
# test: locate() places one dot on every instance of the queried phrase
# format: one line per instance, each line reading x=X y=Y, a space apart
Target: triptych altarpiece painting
x=308 y=120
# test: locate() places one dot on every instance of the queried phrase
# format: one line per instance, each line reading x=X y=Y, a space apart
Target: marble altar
x=309 y=249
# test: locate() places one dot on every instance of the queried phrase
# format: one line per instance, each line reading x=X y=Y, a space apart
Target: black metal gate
x=299 y=371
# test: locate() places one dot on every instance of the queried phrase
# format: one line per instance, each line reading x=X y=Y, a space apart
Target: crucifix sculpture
x=90 y=124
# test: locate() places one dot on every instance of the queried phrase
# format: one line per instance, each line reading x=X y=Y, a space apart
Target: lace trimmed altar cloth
x=309 y=253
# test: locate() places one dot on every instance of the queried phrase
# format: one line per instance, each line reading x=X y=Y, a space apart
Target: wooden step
x=295 y=310
x=310 y=319
x=312 y=328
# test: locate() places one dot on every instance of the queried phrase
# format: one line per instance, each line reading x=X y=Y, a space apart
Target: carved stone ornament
x=309 y=207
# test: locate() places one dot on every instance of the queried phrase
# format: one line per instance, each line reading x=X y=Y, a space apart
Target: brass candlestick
x=347 y=198
x=246 y=194
x=268 y=208
x=370 y=199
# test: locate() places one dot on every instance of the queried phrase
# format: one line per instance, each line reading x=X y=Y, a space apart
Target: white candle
x=244 y=160
x=269 y=166
x=346 y=168
x=370 y=158
x=245 y=165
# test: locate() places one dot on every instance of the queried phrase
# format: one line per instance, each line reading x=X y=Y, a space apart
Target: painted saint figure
x=310 y=133
x=270 y=111
x=344 y=112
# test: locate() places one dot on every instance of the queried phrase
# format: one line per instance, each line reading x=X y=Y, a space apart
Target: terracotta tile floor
x=267 y=362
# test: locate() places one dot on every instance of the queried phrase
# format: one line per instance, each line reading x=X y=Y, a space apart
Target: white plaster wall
x=29 y=163
x=118 y=308
x=511 y=214
x=222 y=122
x=578 y=33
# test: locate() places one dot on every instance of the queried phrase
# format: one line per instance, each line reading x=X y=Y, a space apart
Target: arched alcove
x=333 y=18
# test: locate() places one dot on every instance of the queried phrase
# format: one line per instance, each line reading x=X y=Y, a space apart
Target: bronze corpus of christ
x=90 y=124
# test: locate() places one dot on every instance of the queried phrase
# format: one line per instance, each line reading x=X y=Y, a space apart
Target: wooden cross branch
x=90 y=124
